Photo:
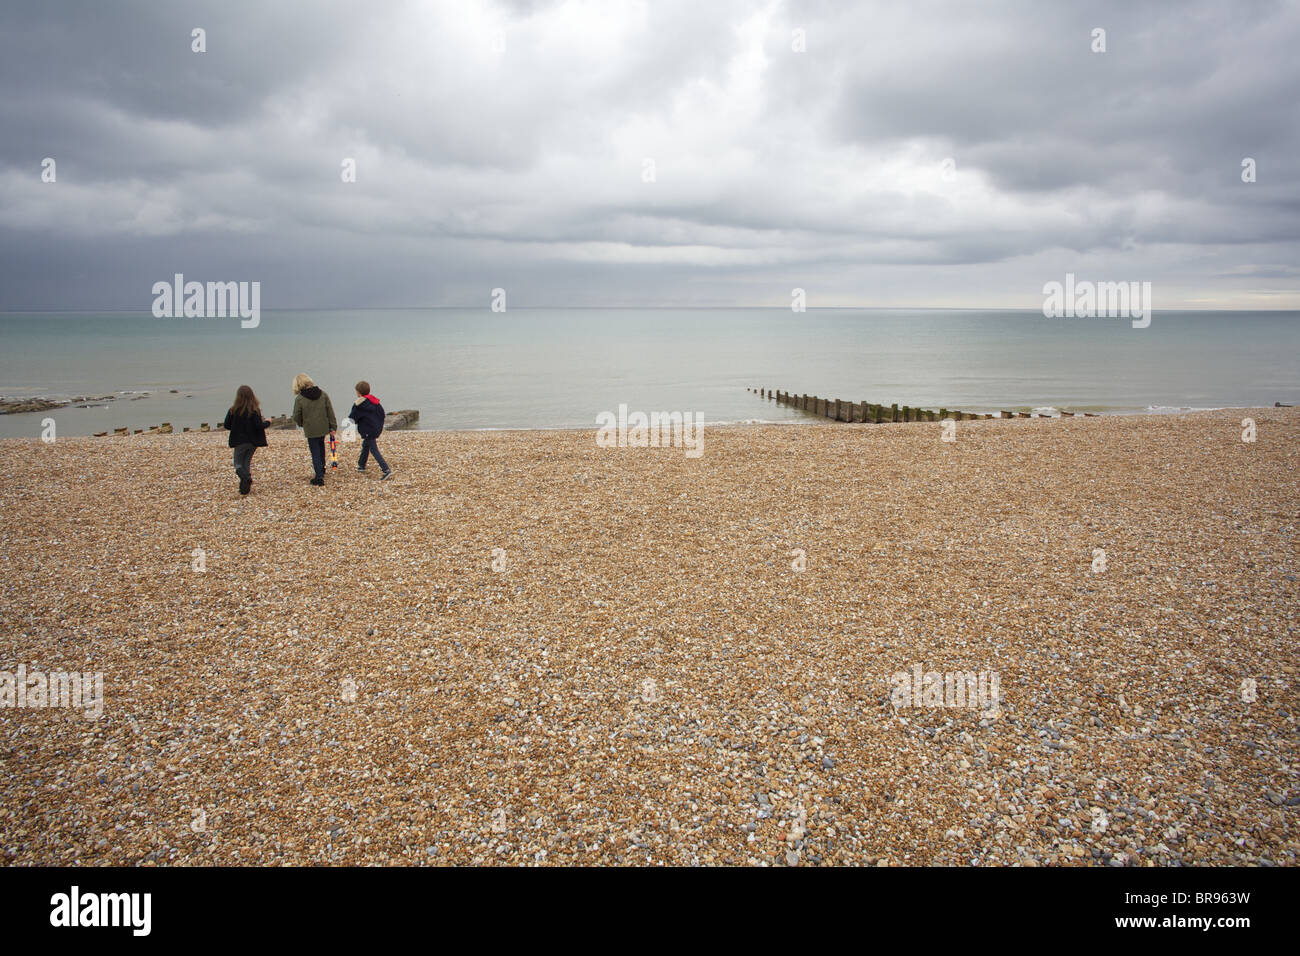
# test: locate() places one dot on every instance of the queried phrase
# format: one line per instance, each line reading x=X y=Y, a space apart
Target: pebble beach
x=527 y=649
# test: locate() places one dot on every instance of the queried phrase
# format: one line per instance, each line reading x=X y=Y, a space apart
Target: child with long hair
x=247 y=430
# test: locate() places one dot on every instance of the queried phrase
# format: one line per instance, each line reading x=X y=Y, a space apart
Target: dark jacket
x=246 y=430
x=368 y=415
x=313 y=413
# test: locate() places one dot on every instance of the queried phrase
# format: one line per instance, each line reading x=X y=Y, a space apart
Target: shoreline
x=1037 y=413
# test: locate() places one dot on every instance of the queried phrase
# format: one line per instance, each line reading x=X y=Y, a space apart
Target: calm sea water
x=538 y=368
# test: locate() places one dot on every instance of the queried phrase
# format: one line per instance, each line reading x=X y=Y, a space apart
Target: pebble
x=223 y=688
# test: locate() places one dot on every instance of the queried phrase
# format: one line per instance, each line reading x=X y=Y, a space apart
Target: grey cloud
x=478 y=168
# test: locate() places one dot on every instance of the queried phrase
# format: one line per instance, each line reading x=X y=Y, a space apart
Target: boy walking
x=368 y=415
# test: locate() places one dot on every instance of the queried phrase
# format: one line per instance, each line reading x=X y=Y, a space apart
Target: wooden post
x=943 y=413
x=893 y=412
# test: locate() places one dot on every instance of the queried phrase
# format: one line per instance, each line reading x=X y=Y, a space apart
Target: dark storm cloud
x=504 y=145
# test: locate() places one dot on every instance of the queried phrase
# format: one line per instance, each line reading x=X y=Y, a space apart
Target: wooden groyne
x=393 y=421
x=841 y=411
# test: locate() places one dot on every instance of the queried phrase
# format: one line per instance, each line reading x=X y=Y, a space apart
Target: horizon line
x=664 y=308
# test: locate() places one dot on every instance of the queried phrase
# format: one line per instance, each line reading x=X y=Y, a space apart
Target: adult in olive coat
x=313 y=412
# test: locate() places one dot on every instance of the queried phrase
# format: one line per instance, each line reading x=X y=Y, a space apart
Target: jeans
x=317 y=446
x=244 y=460
x=368 y=448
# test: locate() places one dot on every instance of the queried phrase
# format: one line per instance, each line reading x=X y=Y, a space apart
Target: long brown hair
x=246 y=403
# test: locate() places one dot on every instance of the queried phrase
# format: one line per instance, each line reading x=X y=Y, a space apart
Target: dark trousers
x=244 y=460
x=317 y=446
x=368 y=448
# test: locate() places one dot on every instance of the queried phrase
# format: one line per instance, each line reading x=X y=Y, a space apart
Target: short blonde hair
x=302 y=380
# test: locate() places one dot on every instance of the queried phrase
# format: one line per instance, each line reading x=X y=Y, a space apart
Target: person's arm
x=297 y=411
x=226 y=423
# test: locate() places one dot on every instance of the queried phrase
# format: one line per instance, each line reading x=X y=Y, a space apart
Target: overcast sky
x=506 y=145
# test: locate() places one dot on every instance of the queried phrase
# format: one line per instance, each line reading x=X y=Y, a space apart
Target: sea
x=561 y=368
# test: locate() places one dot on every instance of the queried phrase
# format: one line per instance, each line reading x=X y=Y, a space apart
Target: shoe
x=388 y=474
x=244 y=485
x=318 y=481
x=361 y=468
